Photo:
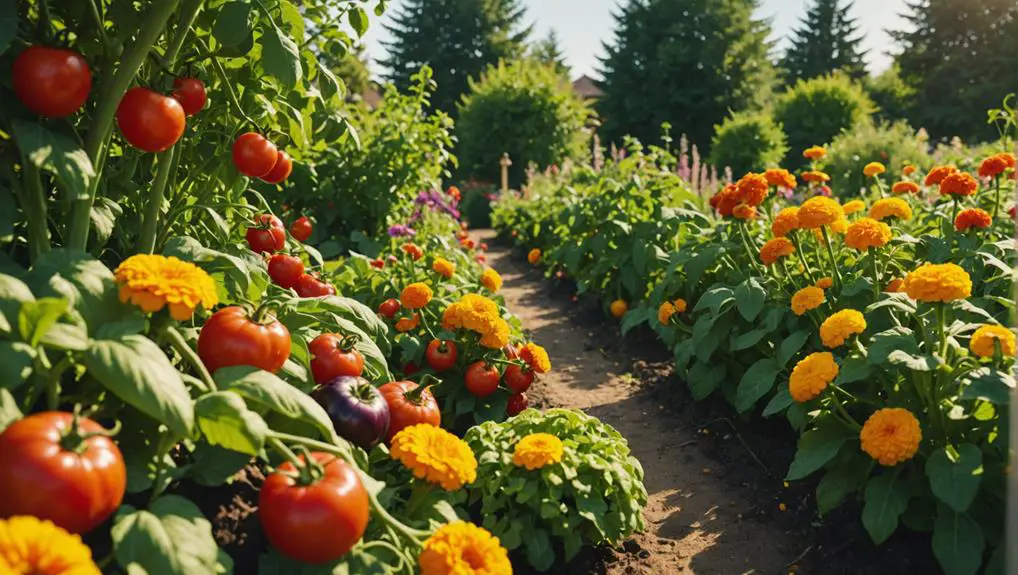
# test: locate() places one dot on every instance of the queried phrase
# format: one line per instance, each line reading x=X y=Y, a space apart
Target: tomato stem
x=416 y=395
x=33 y=203
x=227 y=83
x=178 y=343
x=154 y=203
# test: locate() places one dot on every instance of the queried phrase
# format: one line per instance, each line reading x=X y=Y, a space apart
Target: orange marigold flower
x=665 y=312
x=853 y=207
x=680 y=305
x=416 y=296
x=938 y=174
x=462 y=548
x=840 y=326
x=891 y=436
x=776 y=249
x=811 y=376
x=806 y=299
x=744 y=212
x=491 y=280
x=938 y=283
x=752 y=189
x=815 y=176
x=983 y=342
x=727 y=199
x=972 y=218
x=405 y=324
x=619 y=308
x=153 y=282
x=33 y=546
x=959 y=184
x=891 y=208
x=414 y=251
x=444 y=267
x=814 y=153
x=534 y=256
x=780 y=178
x=867 y=233
x=895 y=286
x=536 y=357
x=873 y=169
x=785 y=222
x=908 y=170
x=824 y=283
x=996 y=165
x=905 y=188
x=820 y=211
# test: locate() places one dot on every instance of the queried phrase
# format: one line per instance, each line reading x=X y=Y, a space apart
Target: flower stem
x=745 y=244
x=190 y=356
x=996 y=200
x=154 y=202
x=830 y=252
x=802 y=257
x=876 y=274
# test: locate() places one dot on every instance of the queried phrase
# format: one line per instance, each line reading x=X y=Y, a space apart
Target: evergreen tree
x=959 y=60
x=457 y=38
x=548 y=51
x=826 y=40
x=686 y=62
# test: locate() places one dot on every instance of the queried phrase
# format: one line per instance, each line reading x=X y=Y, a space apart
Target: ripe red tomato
x=230 y=337
x=410 y=369
x=190 y=92
x=481 y=379
x=150 y=121
x=253 y=155
x=269 y=220
x=389 y=308
x=46 y=470
x=310 y=286
x=332 y=356
x=378 y=263
x=441 y=355
x=517 y=403
x=267 y=235
x=518 y=379
x=409 y=405
x=285 y=270
x=50 y=81
x=315 y=523
x=301 y=229
x=279 y=172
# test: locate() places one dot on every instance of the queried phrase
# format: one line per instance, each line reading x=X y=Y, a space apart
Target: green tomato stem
x=154 y=202
x=178 y=343
x=33 y=204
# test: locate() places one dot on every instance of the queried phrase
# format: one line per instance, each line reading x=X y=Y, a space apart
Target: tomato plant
x=279 y=172
x=267 y=235
x=333 y=355
x=254 y=155
x=389 y=308
x=518 y=379
x=232 y=337
x=285 y=270
x=441 y=355
x=517 y=403
x=150 y=121
x=409 y=404
x=481 y=378
x=301 y=228
x=190 y=92
x=310 y=286
x=51 y=82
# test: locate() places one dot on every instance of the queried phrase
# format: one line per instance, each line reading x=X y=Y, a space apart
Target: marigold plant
x=534 y=256
x=619 y=308
x=491 y=280
x=538 y=450
x=31 y=546
x=413 y=250
x=444 y=267
x=891 y=436
x=891 y=208
x=405 y=324
x=853 y=207
x=462 y=548
x=972 y=218
x=776 y=249
x=873 y=169
x=806 y=299
x=996 y=165
x=938 y=283
x=744 y=212
x=985 y=338
x=665 y=311
x=824 y=283
x=959 y=184
x=752 y=190
x=785 y=222
x=536 y=357
x=905 y=188
x=937 y=175
x=811 y=376
x=815 y=177
x=814 y=153
x=840 y=326
x=780 y=178
x=435 y=455
x=820 y=211
x=153 y=282
x=680 y=305
x=416 y=295
x=867 y=233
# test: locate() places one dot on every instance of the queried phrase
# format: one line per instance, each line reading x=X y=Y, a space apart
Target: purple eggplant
x=357 y=410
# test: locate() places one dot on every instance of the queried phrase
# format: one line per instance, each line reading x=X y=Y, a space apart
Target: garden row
x=875 y=324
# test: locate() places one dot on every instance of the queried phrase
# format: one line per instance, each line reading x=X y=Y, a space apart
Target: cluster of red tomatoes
x=268 y=236
x=56 y=82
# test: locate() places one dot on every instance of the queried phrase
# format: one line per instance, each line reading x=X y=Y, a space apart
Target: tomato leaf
x=225 y=420
x=9 y=411
x=86 y=283
x=37 y=317
x=172 y=537
x=57 y=154
x=67 y=337
x=955 y=474
x=281 y=58
x=8 y=23
x=16 y=360
x=13 y=293
x=139 y=373
x=232 y=25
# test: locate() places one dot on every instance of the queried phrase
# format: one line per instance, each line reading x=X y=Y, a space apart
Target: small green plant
x=747 y=140
x=894 y=145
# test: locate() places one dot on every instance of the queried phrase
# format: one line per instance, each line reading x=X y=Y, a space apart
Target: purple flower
x=401 y=231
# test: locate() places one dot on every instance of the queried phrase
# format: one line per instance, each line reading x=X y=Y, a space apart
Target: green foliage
x=893 y=145
x=890 y=93
x=814 y=111
x=748 y=141
x=595 y=495
x=685 y=62
x=548 y=51
x=476 y=205
x=525 y=109
x=826 y=41
x=458 y=39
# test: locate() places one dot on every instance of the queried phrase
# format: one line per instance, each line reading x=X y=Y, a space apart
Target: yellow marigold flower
x=824 y=283
x=496 y=336
x=776 y=249
x=982 y=343
x=153 y=282
x=873 y=169
x=462 y=548
x=785 y=222
x=491 y=280
x=891 y=435
x=867 y=233
x=891 y=208
x=32 y=546
x=812 y=375
x=536 y=357
x=444 y=267
x=938 y=282
x=908 y=170
x=680 y=305
x=537 y=450
x=744 y=212
x=972 y=218
x=905 y=188
x=809 y=297
x=435 y=455
x=840 y=326
x=959 y=184
x=780 y=178
x=534 y=256
x=619 y=308
x=815 y=176
x=895 y=286
x=814 y=153
x=819 y=211
x=665 y=312
x=937 y=175
x=416 y=296
x=752 y=190
x=405 y=324
x=853 y=207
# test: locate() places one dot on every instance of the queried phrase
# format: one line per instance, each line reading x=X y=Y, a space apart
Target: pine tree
x=457 y=38
x=826 y=40
x=548 y=51
x=686 y=62
x=959 y=60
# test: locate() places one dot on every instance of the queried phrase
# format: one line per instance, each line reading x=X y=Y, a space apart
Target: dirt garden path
x=695 y=521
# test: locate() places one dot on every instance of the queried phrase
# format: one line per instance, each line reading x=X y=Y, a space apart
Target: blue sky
x=583 y=24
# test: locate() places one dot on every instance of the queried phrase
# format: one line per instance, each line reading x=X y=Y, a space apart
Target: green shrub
x=747 y=141
x=525 y=109
x=476 y=204
x=594 y=495
x=893 y=145
x=890 y=94
x=814 y=111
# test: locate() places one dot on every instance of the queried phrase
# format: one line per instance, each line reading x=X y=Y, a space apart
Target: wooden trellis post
x=505 y=162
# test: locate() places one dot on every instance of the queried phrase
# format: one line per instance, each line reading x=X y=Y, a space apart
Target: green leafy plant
x=746 y=141
x=894 y=145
